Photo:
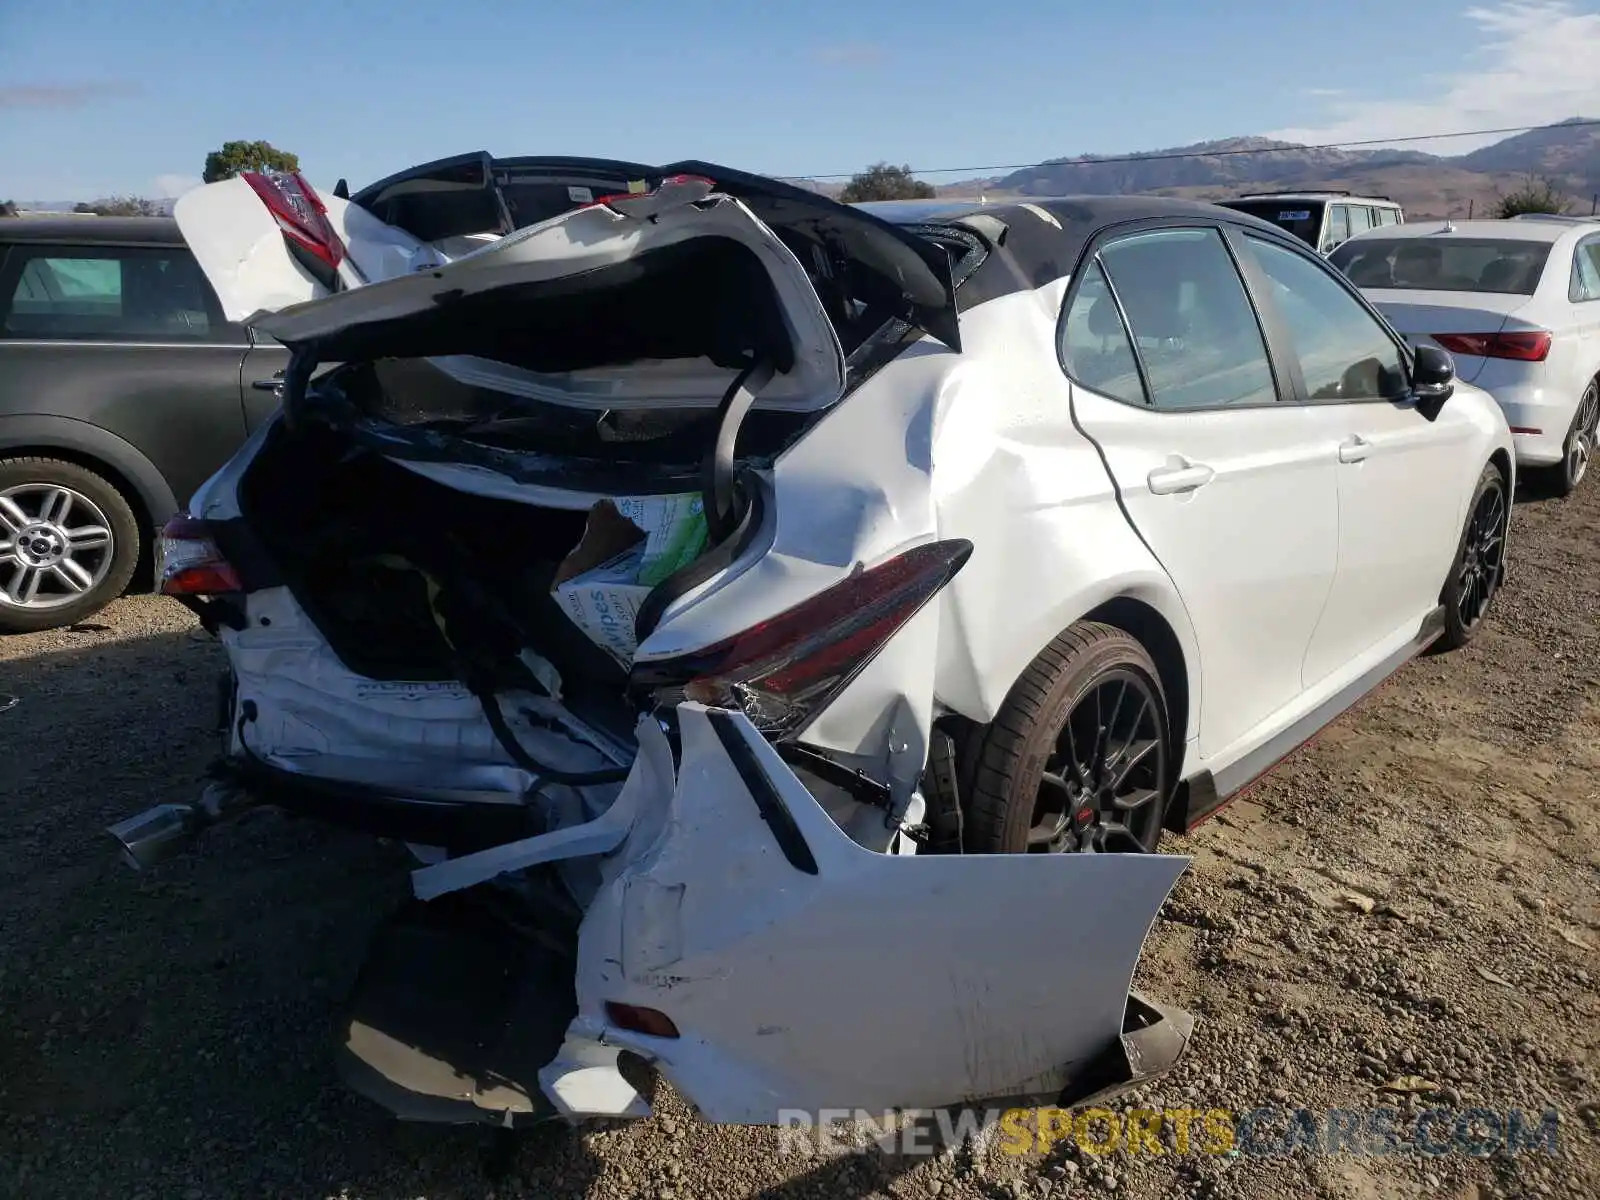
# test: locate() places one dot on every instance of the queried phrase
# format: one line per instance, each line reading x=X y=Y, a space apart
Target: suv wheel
x=69 y=544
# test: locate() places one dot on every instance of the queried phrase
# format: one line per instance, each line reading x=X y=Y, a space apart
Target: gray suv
x=122 y=389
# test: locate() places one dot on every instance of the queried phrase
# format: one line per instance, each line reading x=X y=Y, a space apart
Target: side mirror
x=1433 y=377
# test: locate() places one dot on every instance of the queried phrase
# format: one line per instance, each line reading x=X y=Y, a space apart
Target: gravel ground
x=1412 y=902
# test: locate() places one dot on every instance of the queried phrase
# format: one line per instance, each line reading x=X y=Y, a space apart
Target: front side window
x=92 y=292
x=1193 y=325
x=1344 y=353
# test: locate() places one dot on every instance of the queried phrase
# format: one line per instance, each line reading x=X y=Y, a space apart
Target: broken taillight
x=188 y=562
x=783 y=671
x=303 y=218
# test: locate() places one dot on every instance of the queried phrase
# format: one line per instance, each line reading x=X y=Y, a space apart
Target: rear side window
x=1360 y=219
x=1194 y=329
x=87 y=293
x=1094 y=343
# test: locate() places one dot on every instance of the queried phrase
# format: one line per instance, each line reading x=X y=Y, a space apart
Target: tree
x=8 y=208
x=122 y=206
x=235 y=157
x=1536 y=195
x=883 y=181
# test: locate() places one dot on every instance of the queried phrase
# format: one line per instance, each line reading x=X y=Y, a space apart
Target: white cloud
x=170 y=187
x=1534 y=65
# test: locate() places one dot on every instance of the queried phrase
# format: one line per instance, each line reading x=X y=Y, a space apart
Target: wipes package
x=630 y=544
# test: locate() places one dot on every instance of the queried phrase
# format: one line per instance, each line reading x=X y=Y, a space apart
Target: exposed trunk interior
x=363 y=543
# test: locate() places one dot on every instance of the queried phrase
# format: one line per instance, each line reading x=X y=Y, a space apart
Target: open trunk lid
x=427 y=215
x=655 y=299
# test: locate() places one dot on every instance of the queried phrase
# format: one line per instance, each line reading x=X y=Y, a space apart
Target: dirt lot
x=1414 y=901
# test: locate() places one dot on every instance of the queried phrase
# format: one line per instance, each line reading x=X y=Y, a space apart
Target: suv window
x=1344 y=353
x=1361 y=219
x=98 y=292
x=1193 y=326
x=1337 y=230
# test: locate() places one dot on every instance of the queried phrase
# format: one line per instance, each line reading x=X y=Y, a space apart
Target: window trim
x=1340 y=279
x=219 y=331
x=1274 y=336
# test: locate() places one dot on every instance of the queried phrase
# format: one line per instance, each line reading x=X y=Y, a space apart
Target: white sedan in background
x=1517 y=302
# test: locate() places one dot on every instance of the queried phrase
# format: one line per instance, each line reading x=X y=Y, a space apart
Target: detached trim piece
x=773 y=810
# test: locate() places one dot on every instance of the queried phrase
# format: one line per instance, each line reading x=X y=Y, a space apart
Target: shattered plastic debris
x=629 y=546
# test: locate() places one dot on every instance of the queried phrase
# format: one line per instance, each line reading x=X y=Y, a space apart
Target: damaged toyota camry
x=781 y=630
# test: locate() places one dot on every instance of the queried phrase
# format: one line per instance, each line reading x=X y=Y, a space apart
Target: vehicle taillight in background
x=188 y=562
x=302 y=216
x=1531 y=346
x=784 y=671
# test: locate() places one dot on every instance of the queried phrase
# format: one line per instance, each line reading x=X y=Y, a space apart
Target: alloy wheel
x=1101 y=791
x=55 y=546
x=1483 y=555
x=1581 y=442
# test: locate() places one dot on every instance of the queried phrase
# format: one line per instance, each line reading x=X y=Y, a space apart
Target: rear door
x=801 y=971
x=1216 y=465
x=129 y=338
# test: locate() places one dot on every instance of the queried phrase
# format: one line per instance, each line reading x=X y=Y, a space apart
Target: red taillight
x=785 y=670
x=188 y=562
x=648 y=1021
x=1533 y=346
x=300 y=213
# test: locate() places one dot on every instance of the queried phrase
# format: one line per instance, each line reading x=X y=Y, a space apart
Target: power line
x=1173 y=155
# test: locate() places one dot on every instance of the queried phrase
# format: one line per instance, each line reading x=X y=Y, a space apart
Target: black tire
x=1578 y=448
x=86 y=575
x=1010 y=807
x=1479 y=565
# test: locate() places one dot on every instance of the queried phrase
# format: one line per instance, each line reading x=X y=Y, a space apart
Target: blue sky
x=99 y=97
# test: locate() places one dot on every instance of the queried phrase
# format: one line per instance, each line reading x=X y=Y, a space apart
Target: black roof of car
x=1045 y=236
x=91 y=230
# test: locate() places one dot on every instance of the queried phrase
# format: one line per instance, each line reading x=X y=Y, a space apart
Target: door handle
x=1354 y=449
x=1179 y=475
x=269 y=385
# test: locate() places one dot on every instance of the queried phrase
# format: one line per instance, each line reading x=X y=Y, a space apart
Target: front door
x=1214 y=462
x=1402 y=475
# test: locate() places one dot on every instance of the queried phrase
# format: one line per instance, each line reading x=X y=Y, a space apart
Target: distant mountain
x=1426 y=184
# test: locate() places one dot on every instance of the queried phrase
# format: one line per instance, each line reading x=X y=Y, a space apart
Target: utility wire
x=1173 y=155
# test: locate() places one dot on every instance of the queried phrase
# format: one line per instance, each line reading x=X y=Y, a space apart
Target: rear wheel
x=1480 y=561
x=68 y=544
x=1579 y=447
x=1079 y=756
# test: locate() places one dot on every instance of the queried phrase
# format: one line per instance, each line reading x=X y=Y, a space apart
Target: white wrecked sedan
x=781 y=630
